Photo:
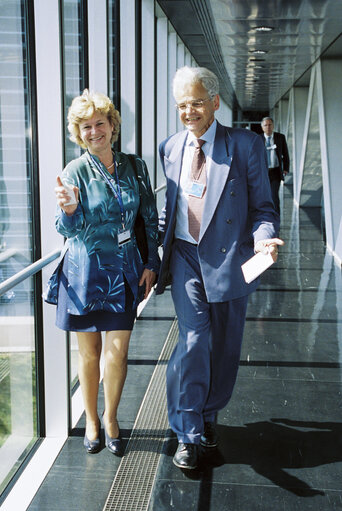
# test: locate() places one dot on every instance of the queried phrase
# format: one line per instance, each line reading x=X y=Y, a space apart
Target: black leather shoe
x=186 y=456
x=209 y=437
x=91 y=446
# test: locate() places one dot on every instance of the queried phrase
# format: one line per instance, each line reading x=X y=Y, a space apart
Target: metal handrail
x=27 y=272
x=7 y=254
x=160 y=188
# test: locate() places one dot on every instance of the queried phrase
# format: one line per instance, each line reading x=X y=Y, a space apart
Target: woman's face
x=96 y=133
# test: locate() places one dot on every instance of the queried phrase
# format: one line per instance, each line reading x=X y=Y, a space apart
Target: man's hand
x=269 y=246
x=148 y=278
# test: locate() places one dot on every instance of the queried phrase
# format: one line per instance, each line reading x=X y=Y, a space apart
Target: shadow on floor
x=269 y=448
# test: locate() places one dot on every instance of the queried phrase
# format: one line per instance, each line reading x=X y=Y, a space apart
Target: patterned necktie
x=268 y=151
x=198 y=175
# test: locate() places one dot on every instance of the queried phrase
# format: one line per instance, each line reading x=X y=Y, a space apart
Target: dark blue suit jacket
x=238 y=210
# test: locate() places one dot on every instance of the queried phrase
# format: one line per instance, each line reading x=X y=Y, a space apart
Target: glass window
x=75 y=62
x=114 y=51
x=18 y=404
x=75 y=80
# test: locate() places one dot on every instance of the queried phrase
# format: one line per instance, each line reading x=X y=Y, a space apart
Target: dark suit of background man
x=204 y=259
x=277 y=157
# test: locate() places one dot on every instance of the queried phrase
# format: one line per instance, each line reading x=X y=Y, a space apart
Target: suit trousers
x=274 y=175
x=203 y=366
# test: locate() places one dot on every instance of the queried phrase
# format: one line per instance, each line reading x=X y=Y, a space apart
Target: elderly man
x=218 y=211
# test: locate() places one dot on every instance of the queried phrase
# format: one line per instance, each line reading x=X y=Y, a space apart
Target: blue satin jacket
x=97 y=265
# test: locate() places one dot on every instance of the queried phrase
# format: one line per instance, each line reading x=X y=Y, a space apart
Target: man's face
x=196 y=118
x=267 y=127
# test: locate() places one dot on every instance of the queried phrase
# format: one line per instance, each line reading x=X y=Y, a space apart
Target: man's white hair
x=191 y=75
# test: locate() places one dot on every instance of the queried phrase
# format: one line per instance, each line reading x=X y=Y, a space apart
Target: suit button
x=223 y=250
x=232 y=194
x=229 y=221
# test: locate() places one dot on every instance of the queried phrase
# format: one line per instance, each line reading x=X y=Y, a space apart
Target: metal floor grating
x=132 y=487
x=4 y=368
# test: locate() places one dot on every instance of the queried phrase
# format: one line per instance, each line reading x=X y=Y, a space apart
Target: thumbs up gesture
x=67 y=197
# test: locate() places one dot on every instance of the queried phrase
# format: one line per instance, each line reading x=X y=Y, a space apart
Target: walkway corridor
x=281 y=435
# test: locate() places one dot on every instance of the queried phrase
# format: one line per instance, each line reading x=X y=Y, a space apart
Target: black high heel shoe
x=92 y=446
x=112 y=444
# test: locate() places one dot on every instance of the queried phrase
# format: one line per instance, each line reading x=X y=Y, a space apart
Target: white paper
x=71 y=194
x=256 y=265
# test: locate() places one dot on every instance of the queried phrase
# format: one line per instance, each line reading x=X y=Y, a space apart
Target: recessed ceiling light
x=258 y=52
x=264 y=28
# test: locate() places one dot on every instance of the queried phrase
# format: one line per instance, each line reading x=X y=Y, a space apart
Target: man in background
x=277 y=157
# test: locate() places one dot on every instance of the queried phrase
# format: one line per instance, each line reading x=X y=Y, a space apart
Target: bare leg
x=89 y=352
x=115 y=371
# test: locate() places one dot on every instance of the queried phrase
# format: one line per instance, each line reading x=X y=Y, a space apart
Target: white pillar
x=148 y=88
x=162 y=96
x=299 y=180
x=49 y=113
x=283 y=116
x=172 y=68
x=97 y=45
x=329 y=78
x=300 y=99
x=128 y=76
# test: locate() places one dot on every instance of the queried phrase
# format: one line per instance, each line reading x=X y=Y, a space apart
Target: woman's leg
x=89 y=352
x=115 y=370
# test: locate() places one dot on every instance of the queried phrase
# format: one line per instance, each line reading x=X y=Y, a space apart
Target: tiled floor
x=281 y=435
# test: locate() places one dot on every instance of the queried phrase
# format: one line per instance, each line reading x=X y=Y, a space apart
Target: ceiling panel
x=256 y=68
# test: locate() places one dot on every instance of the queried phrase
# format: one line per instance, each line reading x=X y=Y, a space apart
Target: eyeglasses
x=197 y=103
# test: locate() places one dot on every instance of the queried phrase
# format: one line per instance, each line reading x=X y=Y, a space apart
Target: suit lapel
x=173 y=166
x=218 y=175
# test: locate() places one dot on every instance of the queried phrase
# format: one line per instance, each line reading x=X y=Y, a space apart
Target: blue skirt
x=96 y=321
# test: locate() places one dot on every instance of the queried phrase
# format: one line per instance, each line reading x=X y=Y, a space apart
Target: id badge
x=195 y=189
x=124 y=237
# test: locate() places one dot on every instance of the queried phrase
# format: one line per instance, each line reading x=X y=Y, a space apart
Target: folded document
x=256 y=265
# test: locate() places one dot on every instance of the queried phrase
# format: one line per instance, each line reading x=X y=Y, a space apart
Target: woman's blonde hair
x=84 y=107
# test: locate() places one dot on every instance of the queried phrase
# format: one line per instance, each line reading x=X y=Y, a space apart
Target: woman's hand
x=269 y=246
x=148 y=278
x=63 y=197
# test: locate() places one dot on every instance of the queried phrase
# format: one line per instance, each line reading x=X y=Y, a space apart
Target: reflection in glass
x=114 y=51
x=311 y=192
x=18 y=415
x=74 y=62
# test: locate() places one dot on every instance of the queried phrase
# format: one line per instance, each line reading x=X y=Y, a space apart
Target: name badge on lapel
x=195 y=189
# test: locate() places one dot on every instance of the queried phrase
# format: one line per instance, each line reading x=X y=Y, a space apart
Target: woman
x=101 y=278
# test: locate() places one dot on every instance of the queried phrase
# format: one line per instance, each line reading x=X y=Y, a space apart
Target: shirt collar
x=208 y=136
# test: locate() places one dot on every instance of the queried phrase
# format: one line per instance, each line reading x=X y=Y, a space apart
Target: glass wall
x=18 y=403
x=75 y=80
x=114 y=51
x=75 y=61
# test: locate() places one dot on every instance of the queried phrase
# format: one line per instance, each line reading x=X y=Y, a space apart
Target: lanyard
x=117 y=194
